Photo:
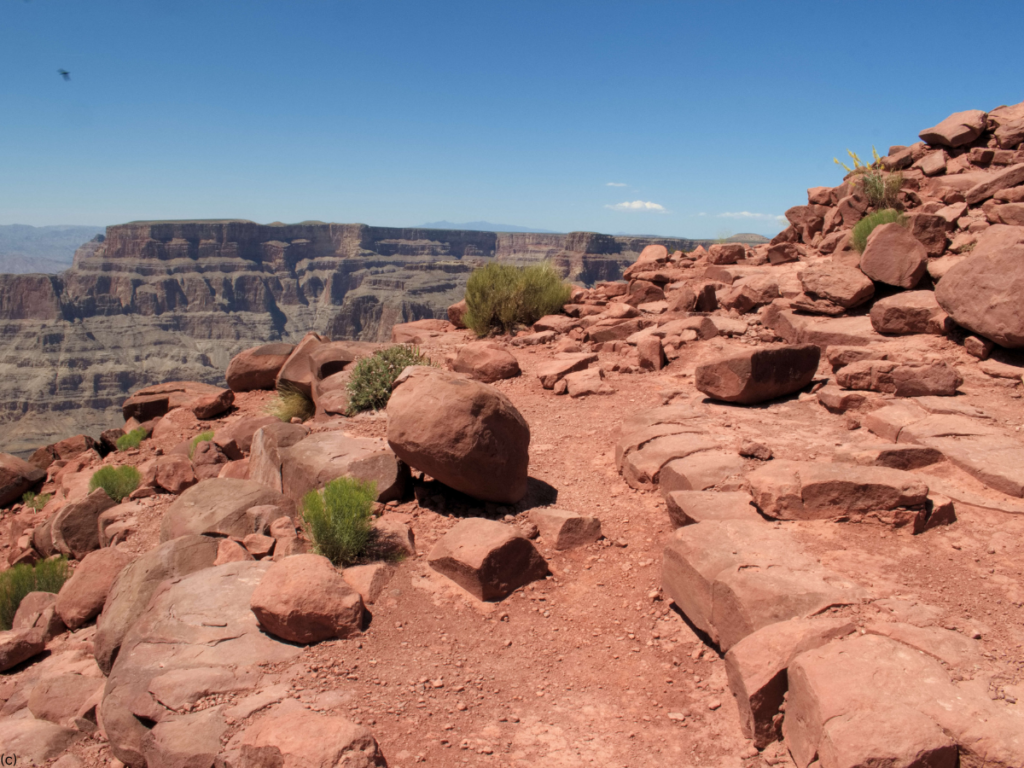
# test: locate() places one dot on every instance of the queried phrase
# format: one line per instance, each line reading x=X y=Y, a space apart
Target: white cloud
x=637 y=205
x=615 y=184
x=749 y=215
x=702 y=214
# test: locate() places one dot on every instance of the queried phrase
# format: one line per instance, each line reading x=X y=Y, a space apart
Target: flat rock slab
x=565 y=529
x=217 y=506
x=692 y=507
x=197 y=637
x=870 y=700
x=150 y=402
x=733 y=577
x=757 y=375
x=824 y=332
x=488 y=559
x=700 y=471
x=35 y=741
x=641 y=468
x=552 y=372
x=902 y=456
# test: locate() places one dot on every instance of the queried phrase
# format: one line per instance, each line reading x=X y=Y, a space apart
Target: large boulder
x=304 y=599
x=38 y=610
x=151 y=402
x=336 y=356
x=74 y=530
x=16 y=477
x=488 y=559
x=35 y=742
x=908 y=312
x=894 y=256
x=265 y=451
x=756 y=375
x=983 y=292
x=312 y=462
x=82 y=596
x=956 y=130
x=466 y=434
x=136 y=584
x=485 y=363
x=296 y=373
x=235 y=439
x=257 y=368
x=18 y=645
x=845 y=286
x=196 y=638
x=217 y=506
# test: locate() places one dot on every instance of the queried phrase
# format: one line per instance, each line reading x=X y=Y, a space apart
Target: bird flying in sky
x=64 y=73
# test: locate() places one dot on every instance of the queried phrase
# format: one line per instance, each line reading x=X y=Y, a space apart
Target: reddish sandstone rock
x=235 y=439
x=456 y=313
x=16 y=477
x=563 y=364
x=485 y=363
x=726 y=253
x=304 y=599
x=699 y=470
x=74 y=529
x=37 y=610
x=651 y=354
x=983 y=292
x=209 y=406
x=894 y=256
x=756 y=668
x=931 y=379
x=692 y=507
x=990 y=184
x=334 y=357
x=846 y=286
x=463 y=433
x=956 y=130
x=564 y=529
x=70 y=447
x=802 y=490
x=369 y=580
x=257 y=368
x=757 y=375
x=172 y=473
x=18 y=645
x=588 y=382
x=152 y=402
x=290 y=736
x=82 y=596
x=418 y=331
x=230 y=551
x=136 y=584
x=486 y=558
x=295 y=373
x=217 y=506
x=907 y=313
x=35 y=741
x=58 y=698
x=902 y=456
x=309 y=464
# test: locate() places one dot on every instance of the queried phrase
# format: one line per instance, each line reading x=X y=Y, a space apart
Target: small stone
x=714 y=704
x=755 y=450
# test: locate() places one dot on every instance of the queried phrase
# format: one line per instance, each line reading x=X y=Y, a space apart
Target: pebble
x=714 y=704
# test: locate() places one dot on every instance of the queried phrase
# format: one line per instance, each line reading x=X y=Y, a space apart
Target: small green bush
x=202 y=437
x=338 y=519
x=501 y=296
x=132 y=439
x=882 y=189
x=45 y=576
x=372 y=378
x=118 y=482
x=290 y=403
x=36 y=500
x=866 y=226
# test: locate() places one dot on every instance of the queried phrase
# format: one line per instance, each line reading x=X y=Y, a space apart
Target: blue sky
x=528 y=113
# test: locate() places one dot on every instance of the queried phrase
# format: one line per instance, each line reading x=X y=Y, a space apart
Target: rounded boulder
x=304 y=599
x=464 y=433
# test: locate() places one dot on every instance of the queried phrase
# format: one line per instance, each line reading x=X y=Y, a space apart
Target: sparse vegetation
x=202 y=437
x=45 y=576
x=291 y=403
x=500 y=297
x=338 y=519
x=858 y=165
x=882 y=189
x=118 y=482
x=131 y=440
x=36 y=500
x=372 y=378
x=864 y=227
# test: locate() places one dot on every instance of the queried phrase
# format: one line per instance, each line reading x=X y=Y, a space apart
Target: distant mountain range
x=25 y=249
x=483 y=226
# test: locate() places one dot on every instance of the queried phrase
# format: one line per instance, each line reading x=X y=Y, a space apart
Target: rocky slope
x=175 y=300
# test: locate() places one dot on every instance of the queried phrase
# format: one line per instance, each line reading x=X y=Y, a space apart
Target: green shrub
x=882 y=189
x=866 y=226
x=291 y=403
x=202 y=437
x=372 y=378
x=118 y=482
x=501 y=296
x=45 y=576
x=338 y=519
x=36 y=500
x=132 y=439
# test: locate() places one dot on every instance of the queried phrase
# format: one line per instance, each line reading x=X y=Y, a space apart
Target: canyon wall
x=175 y=300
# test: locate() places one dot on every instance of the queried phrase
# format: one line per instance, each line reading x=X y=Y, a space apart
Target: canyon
x=175 y=300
